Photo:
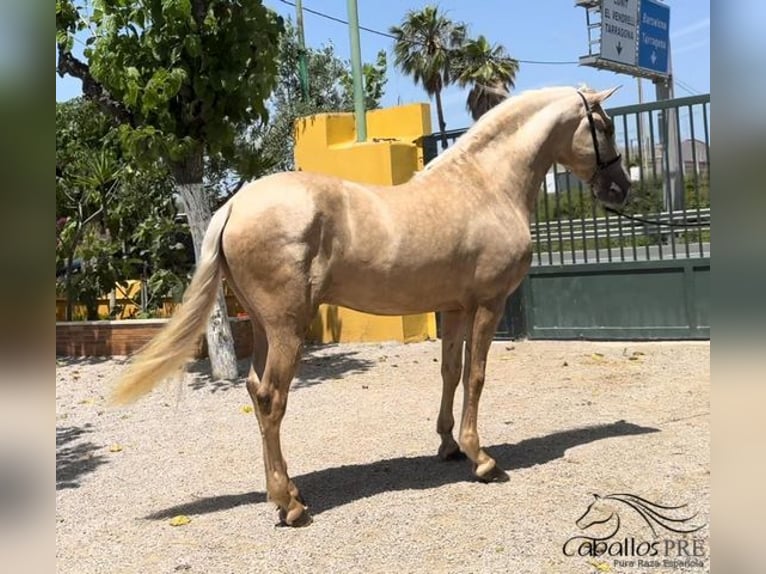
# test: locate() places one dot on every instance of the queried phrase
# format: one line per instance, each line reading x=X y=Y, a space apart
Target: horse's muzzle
x=612 y=186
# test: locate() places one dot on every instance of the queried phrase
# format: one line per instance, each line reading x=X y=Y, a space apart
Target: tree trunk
x=91 y=307
x=220 y=342
x=440 y=117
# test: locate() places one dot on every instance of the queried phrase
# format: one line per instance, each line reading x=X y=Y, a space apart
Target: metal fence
x=666 y=146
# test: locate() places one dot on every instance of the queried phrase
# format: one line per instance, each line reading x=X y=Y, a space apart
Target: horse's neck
x=511 y=149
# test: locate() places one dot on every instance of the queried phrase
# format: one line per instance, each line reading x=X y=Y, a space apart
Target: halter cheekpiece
x=601 y=165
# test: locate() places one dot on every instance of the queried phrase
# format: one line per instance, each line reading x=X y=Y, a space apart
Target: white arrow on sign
x=653 y=57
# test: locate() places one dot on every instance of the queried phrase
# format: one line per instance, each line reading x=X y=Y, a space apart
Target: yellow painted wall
x=393 y=152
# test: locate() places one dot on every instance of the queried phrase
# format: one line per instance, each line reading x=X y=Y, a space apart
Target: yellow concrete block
x=382 y=163
x=325 y=143
x=334 y=324
x=419 y=327
x=403 y=163
x=320 y=131
x=406 y=123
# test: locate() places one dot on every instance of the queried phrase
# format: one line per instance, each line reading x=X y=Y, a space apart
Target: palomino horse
x=454 y=239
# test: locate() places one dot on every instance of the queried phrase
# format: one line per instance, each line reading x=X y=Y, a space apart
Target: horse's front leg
x=270 y=401
x=453 y=325
x=478 y=341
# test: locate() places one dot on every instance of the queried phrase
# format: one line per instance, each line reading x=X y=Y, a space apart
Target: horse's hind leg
x=478 y=340
x=258 y=365
x=257 y=369
x=453 y=335
x=270 y=400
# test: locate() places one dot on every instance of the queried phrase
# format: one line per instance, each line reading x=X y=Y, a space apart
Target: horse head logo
x=607 y=509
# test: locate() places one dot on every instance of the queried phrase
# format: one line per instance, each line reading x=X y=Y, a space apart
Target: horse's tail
x=167 y=352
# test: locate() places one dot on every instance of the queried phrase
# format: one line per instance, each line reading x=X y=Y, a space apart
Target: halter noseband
x=602 y=165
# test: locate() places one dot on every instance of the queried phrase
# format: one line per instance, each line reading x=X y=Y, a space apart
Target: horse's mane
x=507 y=116
x=653 y=513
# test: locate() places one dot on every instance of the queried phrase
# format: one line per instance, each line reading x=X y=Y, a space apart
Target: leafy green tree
x=490 y=72
x=374 y=82
x=330 y=90
x=115 y=222
x=427 y=43
x=83 y=229
x=87 y=175
x=184 y=78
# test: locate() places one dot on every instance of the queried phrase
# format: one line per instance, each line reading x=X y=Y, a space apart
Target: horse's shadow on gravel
x=333 y=487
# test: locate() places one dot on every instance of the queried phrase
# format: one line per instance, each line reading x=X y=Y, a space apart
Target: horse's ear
x=596 y=98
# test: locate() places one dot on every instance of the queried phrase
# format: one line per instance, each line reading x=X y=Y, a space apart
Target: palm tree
x=426 y=42
x=490 y=70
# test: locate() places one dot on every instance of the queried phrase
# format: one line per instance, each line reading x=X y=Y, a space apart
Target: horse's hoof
x=450 y=451
x=451 y=454
x=295 y=517
x=490 y=472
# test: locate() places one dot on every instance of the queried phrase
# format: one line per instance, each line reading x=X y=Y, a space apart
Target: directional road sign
x=654 y=37
x=619 y=31
x=633 y=37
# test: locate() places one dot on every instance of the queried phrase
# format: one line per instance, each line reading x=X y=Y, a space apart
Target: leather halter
x=601 y=165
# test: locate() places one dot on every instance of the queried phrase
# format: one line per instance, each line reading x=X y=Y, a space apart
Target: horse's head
x=592 y=154
x=598 y=512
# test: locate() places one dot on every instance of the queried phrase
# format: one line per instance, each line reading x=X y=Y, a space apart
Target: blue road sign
x=654 y=37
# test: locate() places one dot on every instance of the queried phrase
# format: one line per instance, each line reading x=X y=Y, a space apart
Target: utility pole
x=356 y=71
x=303 y=69
x=674 y=177
x=643 y=150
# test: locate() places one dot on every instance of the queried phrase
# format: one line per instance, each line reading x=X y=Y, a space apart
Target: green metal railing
x=666 y=147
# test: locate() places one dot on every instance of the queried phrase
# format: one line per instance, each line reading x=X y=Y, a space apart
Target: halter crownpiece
x=601 y=165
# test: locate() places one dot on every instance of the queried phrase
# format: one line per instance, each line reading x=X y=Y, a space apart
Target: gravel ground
x=565 y=419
